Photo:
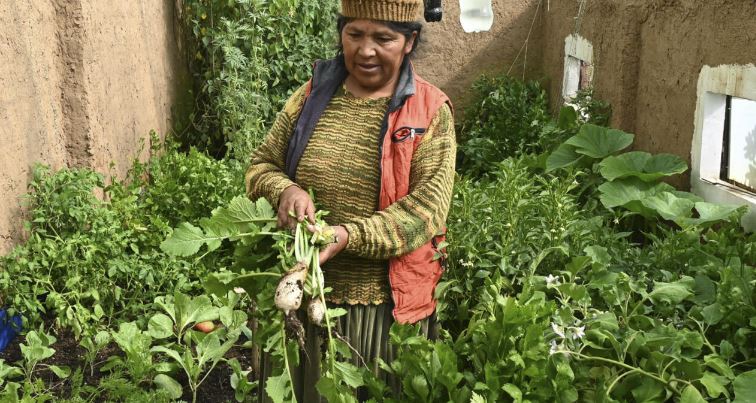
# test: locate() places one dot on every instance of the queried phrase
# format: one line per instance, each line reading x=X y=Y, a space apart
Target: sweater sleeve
x=415 y=218
x=265 y=176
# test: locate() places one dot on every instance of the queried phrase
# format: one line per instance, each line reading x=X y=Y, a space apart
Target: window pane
x=742 y=147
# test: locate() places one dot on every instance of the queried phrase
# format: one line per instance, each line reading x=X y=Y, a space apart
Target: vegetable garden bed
x=576 y=274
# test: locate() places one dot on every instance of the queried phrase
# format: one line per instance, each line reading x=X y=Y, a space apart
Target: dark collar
x=335 y=72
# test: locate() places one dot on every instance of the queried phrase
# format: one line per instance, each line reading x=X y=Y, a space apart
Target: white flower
x=239 y=290
x=551 y=280
x=579 y=332
x=553 y=348
x=558 y=330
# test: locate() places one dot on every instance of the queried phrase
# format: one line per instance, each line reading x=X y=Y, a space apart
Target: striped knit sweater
x=341 y=166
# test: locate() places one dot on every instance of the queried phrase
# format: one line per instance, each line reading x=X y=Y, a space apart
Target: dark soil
x=216 y=388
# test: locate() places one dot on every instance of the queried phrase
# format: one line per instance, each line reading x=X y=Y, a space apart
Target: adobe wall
x=451 y=59
x=82 y=81
x=648 y=56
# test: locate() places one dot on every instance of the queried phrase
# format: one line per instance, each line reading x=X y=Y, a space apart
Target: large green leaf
x=241 y=216
x=715 y=384
x=599 y=142
x=691 y=395
x=348 y=373
x=712 y=314
x=630 y=193
x=60 y=372
x=8 y=371
x=275 y=387
x=216 y=230
x=669 y=206
x=173 y=354
x=666 y=164
x=672 y=293
x=169 y=384
x=708 y=213
x=562 y=157
x=641 y=165
x=649 y=391
x=186 y=240
x=192 y=310
x=209 y=349
x=160 y=326
x=745 y=387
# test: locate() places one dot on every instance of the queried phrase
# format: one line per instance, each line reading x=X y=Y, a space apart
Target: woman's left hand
x=342 y=238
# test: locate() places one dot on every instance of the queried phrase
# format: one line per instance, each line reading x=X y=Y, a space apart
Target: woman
x=376 y=144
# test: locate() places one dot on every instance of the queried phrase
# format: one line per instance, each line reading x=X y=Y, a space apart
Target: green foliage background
x=246 y=58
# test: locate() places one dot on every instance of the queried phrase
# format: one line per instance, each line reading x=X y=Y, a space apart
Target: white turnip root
x=291 y=288
x=289 y=293
x=316 y=311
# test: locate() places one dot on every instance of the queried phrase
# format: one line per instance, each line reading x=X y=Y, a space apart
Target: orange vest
x=414 y=275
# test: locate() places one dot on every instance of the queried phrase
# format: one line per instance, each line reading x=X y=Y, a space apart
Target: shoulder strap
x=326 y=78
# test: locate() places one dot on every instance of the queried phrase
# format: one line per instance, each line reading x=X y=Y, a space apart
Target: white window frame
x=575 y=47
x=714 y=85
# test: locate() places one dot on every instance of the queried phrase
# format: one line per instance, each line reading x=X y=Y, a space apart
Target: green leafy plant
x=505 y=118
x=590 y=109
x=247 y=57
x=92 y=346
x=248 y=224
x=34 y=351
x=240 y=380
x=194 y=352
x=138 y=361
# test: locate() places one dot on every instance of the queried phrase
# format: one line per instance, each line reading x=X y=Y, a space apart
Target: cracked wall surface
x=82 y=82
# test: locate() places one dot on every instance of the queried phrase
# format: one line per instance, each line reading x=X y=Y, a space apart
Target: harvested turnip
x=291 y=289
x=316 y=311
x=289 y=298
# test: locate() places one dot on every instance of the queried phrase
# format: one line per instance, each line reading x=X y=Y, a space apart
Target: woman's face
x=373 y=54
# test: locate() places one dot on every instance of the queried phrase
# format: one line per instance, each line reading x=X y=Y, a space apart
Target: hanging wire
x=524 y=46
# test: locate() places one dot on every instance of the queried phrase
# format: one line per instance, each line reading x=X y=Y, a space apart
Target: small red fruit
x=205 y=327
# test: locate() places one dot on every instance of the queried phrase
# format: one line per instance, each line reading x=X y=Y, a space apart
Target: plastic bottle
x=475 y=15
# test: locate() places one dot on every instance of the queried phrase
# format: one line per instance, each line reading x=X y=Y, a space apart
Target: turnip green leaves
x=241 y=217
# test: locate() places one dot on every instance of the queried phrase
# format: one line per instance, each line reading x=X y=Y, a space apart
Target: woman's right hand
x=294 y=205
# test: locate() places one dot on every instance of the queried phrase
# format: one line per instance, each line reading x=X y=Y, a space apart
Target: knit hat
x=384 y=10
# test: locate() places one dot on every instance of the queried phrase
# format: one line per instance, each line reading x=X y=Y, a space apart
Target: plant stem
x=319 y=277
x=634 y=369
x=286 y=362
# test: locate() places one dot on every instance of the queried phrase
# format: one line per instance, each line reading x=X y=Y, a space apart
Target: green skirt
x=366 y=328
